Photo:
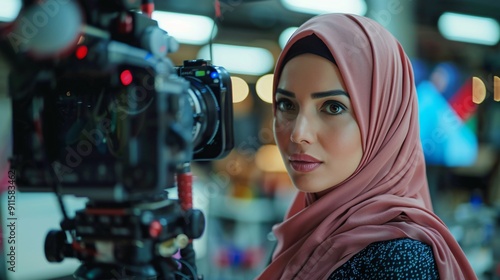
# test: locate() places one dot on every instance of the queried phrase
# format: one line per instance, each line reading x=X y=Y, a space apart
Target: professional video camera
x=108 y=117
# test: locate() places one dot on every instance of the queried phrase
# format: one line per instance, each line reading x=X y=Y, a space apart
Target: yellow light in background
x=478 y=90
x=264 y=88
x=496 y=88
x=268 y=159
x=240 y=89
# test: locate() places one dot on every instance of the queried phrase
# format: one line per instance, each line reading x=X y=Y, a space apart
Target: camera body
x=114 y=118
x=105 y=115
x=210 y=91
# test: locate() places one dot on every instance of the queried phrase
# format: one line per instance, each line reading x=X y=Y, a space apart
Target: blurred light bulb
x=9 y=9
x=186 y=28
x=357 y=7
x=471 y=29
x=240 y=89
x=285 y=35
x=239 y=59
x=268 y=158
x=264 y=88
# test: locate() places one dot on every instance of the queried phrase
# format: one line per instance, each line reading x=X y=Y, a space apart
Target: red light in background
x=126 y=77
x=462 y=103
x=81 y=52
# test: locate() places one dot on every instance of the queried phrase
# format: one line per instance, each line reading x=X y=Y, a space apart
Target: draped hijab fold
x=387 y=197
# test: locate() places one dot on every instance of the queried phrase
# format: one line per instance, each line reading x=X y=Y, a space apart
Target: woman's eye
x=333 y=107
x=285 y=105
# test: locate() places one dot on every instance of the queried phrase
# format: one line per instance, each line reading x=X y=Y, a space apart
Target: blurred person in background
x=346 y=123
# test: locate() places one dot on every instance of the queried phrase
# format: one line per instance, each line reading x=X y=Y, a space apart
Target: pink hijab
x=387 y=197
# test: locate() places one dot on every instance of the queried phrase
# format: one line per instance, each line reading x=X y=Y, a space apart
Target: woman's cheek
x=280 y=131
x=282 y=126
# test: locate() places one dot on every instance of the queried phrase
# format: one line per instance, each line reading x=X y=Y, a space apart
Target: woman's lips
x=304 y=163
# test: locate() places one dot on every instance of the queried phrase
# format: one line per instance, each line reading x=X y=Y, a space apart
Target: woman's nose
x=303 y=130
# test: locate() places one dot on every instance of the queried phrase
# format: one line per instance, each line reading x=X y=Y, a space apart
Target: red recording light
x=126 y=77
x=81 y=52
x=155 y=229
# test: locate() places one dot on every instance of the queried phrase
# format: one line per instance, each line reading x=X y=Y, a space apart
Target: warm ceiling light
x=357 y=7
x=268 y=159
x=264 y=88
x=470 y=29
x=285 y=35
x=9 y=9
x=186 y=28
x=239 y=59
x=240 y=89
x=478 y=90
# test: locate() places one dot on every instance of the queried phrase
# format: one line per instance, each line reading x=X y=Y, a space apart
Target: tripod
x=131 y=240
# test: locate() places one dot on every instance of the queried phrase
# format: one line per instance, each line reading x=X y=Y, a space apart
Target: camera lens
x=205 y=113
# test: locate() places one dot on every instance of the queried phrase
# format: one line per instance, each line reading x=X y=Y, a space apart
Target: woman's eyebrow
x=315 y=95
x=285 y=92
x=329 y=93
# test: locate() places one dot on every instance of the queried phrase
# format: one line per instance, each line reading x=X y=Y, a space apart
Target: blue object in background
x=420 y=70
x=446 y=140
x=447 y=78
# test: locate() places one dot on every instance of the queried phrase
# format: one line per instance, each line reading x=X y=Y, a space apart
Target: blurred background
x=455 y=51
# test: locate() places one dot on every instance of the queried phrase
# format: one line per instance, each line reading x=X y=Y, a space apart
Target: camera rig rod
x=147 y=7
x=185 y=186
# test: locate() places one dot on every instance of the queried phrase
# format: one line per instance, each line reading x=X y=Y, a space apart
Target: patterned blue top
x=403 y=258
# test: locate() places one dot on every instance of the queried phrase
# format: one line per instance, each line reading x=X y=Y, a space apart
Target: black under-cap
x=309 y=44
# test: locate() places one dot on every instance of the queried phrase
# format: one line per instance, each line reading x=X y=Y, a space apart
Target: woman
x=346 y=124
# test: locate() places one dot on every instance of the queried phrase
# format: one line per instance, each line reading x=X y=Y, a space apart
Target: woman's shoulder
x=402 y=258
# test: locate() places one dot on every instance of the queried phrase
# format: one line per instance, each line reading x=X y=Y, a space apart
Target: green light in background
x=199 y=73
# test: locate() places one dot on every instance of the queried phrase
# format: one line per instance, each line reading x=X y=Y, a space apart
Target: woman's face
x=314 y=125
